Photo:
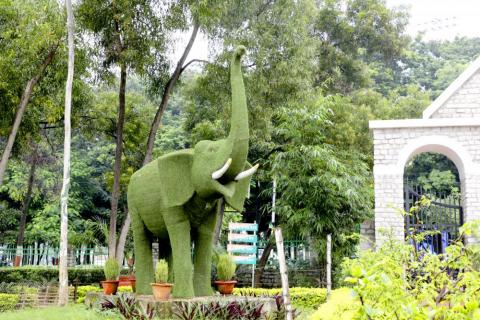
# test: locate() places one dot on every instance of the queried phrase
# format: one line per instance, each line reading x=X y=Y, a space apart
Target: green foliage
x=161 y=271
x=8 y=301
x=396 y=281
x=300 y=297
x=111 y=269
x=83 y=290
x=323 y=188
x=434 y=172
x=72 y=312
x=225 y=267
x=341 y=305
x=44 y=274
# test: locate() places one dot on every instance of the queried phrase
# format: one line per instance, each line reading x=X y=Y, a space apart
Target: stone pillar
x=471 y=201
x=388 y=206
x=367 y=233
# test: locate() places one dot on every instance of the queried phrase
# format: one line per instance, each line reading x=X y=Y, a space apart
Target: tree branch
x=190 y=62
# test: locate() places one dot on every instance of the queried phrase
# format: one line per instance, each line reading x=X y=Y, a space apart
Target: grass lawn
x=74 y=312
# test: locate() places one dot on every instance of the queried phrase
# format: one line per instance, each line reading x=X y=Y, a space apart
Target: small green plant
x=161 y=271
x=225 y=267
x=111 y=269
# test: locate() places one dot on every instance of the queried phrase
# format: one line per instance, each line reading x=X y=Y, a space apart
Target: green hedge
x=301 y=297
x=43 y=274
x=83 y=290
x=8 y=301
x=340 y=305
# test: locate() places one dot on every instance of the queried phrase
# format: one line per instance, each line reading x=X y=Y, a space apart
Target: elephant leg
x=178 y=227
x=203 y=257
x=143 y=254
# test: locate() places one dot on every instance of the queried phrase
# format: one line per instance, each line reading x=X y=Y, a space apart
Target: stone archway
x=450 y=126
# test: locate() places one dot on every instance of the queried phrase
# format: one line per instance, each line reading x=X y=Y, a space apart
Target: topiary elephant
x=174 y=198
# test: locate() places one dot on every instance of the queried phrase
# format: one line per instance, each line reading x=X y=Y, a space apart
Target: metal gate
x=444 y=215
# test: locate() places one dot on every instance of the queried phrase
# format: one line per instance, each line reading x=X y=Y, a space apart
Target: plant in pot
x=129 y=279
x=161 y=288
x=112 y=271
x=225 y=271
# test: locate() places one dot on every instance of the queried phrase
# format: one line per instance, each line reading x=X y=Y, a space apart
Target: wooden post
x=283 y=273
x=329 y=263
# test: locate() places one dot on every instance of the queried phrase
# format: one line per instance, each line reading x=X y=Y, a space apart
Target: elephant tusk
x=220 y=172
x=247 y=173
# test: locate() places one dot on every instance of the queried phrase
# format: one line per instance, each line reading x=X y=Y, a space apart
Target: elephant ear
x=241 y=191
x=174 y=171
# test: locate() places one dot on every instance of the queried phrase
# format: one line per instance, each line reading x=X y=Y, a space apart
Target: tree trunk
x=63 y=254
x=166 y=96
x=117 y=169
x=25 y=206
x=263 y=261
x=123 y=238
x=161 y=109
x=21 y=111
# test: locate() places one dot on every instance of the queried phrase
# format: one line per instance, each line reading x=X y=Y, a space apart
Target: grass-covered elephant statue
x=175 y=197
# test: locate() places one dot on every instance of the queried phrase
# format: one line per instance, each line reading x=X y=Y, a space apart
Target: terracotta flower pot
x=133 y=283
x=161 y=291
x=109 y=286
x=225 y=287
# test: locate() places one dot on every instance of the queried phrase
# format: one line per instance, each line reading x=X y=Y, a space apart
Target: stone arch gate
x=450 y=126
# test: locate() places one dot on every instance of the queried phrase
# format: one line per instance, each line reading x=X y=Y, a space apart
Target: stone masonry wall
x=388 y=144
x=465 y=103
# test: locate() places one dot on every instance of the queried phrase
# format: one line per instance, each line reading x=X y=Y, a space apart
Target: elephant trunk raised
x=173 y=198
x=238 y=136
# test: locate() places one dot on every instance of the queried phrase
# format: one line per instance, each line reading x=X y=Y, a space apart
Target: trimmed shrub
x=225 y=267
x=340 y=306
x=83 y=290
x=8 y=301
x=34 y=275
x=301 y=297
x=161 y=271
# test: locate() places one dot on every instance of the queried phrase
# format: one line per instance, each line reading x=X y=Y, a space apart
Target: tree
x=38 y=26
x=322 y=188
x=25 y=206
x=63 y=271
x=126 y=31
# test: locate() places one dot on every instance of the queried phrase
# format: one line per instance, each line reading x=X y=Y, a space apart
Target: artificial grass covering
x=175 y=198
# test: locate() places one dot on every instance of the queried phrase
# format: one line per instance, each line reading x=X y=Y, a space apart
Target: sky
x=440 y=19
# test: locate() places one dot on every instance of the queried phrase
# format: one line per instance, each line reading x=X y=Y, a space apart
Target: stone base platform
x=165 y=307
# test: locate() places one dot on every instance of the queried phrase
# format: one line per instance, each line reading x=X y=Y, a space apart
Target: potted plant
x=112 y=271
x=129 y=279
x=225 y=271
x=161 y=288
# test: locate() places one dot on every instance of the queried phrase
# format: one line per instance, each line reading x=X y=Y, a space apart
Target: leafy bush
x=129 y=307
x=161 y=271
x=8 y=301
x=340 y=306
x=83 y=290
x=233 y=310
x=34 y=275
x=300 y=297
x=225 y=267
x=111 y=269
x=398 y=281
